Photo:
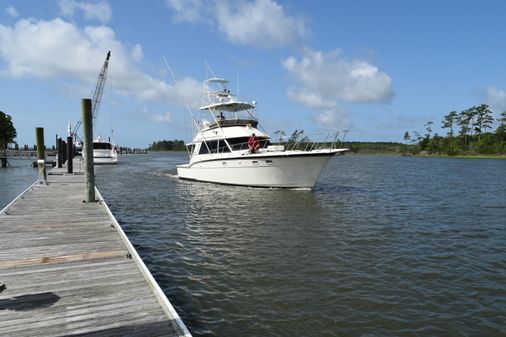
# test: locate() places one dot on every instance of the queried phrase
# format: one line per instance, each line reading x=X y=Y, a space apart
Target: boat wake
x=301 y=189
x=172 y=175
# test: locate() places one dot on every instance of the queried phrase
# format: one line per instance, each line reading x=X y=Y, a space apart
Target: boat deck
x=69 y=269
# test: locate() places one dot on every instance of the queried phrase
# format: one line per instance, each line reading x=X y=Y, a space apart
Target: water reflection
x=381 y=246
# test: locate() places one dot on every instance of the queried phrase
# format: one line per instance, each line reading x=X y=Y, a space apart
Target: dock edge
x=167 y=307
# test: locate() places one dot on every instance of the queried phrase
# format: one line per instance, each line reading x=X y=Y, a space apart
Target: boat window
x=190 y=148
x=241 y=143
x=214 y=147
x=102 y=146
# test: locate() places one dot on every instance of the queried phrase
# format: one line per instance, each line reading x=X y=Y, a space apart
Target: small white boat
x=104 y=152
x=219 y=152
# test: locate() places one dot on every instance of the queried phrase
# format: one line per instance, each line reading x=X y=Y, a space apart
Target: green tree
x=502 y=118
x=483 y=119
x=464 y=120
x=435 y=144
x=280 y=135
x=428 y=127
x=295 y=137
x=501 y=129
x=168 y=145
x=449 y=121
x=7 y=130
x=407 y=137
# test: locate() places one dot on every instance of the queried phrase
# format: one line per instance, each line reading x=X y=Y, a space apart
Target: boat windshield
x=237 y=144
x=102 y=146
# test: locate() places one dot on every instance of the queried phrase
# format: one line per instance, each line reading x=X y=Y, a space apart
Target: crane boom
x=96 y=96
x=99 y=89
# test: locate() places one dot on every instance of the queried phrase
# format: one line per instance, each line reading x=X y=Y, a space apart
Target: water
x=16 y=178
x=383 y=246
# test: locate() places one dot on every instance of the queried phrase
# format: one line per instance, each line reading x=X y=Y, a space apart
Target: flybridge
x=222 y=150
x=221 y=99
x=230 y=106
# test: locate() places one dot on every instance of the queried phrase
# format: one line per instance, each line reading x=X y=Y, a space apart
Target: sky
x=375 y=68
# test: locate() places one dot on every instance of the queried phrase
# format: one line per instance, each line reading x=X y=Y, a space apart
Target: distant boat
x=222 y=153
x=104 y=152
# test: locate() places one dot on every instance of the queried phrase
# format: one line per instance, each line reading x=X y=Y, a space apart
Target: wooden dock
x=70 y=270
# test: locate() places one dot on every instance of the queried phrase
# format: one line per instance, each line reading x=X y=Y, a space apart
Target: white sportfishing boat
x=104 y=152
x=219 y=152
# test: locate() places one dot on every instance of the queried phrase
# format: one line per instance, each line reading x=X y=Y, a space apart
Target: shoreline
x=475 y=156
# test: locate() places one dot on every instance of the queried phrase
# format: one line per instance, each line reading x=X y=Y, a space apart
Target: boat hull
x=105 y=157
x=284 y=171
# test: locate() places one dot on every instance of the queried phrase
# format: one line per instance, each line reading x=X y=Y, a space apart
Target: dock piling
x=70 y=154
x=60 y=152
x=41 y=154
x=89 y=169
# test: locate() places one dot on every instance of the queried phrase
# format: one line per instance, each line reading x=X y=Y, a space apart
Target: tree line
x=468 y=132
x=7 y=130
x=168 y=145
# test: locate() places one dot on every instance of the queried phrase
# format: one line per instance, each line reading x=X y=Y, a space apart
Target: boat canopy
x=229 y=106
x=234 y=122
x=216 y=80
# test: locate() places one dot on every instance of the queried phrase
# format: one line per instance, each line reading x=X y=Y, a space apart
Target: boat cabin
x=102 y=146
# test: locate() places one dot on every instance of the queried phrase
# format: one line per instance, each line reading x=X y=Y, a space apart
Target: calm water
x=16 y=179
x=383 y=246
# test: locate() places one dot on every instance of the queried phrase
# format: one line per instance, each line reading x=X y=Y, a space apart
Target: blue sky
x=376 y=68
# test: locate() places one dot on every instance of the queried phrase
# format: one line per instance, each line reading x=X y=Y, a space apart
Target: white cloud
x=495 y=98
x=323 y=81
x=259 y=23
x=186 y=10
x=137 y=53
x=331 y=77
x=332 y=119
x=310 y=99
x=12 y=11
x=98 y=10
x=162 y=118
x=57 y=49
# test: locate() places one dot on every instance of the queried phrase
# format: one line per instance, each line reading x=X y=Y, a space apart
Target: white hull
x=287 y=169
x=232 y=150
x=105 y=157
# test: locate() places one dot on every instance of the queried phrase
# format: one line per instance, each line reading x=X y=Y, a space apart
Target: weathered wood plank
x=65 y=266
x=62 y=259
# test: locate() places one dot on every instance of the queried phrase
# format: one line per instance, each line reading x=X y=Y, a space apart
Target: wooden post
x=3 y=157
x=89 y=169
x=70 y=155
x=64 y=151
x=41 y=154
x=59 y=145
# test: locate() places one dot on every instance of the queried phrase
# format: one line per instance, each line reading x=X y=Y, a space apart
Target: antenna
x=237 y=83
x=177 y=86
x=210 y=69
x=183 y=98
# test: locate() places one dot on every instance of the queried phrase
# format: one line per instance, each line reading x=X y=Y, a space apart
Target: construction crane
x=96 y=96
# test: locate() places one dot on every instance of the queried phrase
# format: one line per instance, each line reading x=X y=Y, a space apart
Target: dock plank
x=68 y=269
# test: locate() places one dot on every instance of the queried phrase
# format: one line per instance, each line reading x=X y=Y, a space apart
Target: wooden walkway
x=70 y=270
